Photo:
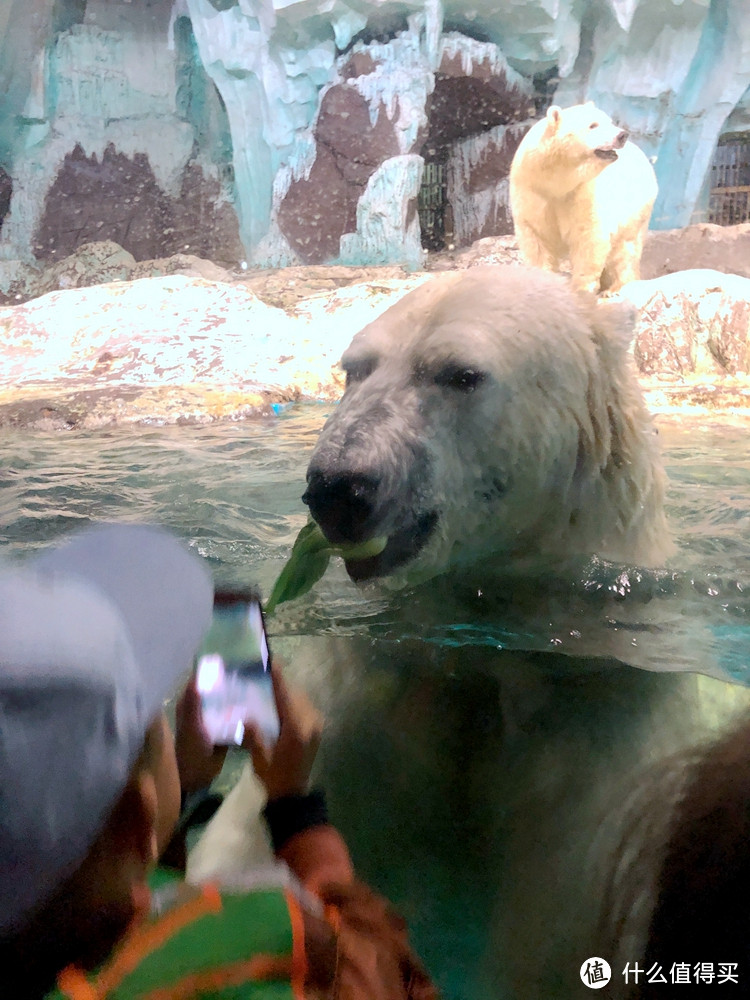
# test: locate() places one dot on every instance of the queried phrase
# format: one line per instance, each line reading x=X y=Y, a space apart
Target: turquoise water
x=233 y=491
x=469 y=761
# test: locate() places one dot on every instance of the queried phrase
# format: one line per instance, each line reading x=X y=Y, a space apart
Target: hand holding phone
x=199 y=761
x=284 y=768
x=233 y=672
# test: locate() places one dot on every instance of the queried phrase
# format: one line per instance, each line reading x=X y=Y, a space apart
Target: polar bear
x=579 y=189
x=490 y=411
x=492 y=433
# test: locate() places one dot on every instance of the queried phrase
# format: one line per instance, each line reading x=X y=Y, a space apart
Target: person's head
x=678 y=887
x=94 y=636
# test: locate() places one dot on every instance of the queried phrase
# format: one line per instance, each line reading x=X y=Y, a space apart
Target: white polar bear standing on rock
x=579 y=189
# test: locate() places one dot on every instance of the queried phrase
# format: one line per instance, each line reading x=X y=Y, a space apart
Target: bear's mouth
x=606 y=154
x=402 y=546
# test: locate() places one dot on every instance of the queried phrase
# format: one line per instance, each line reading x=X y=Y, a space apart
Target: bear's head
x=490 y=417
x=584 y=132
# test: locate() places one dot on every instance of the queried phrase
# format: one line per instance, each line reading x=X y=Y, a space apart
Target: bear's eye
x=358 y=371
x=594 y=125
x=460 y=378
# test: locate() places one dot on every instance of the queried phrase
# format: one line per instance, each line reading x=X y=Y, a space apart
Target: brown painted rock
x=721 y=248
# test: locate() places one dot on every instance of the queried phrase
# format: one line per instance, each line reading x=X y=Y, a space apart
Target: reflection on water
x=471 y=773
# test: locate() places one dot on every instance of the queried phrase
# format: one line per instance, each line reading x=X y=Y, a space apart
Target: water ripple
x=233 y=491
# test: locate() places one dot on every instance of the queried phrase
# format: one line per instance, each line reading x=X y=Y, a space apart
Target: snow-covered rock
x=692 y=323
x=172 y=348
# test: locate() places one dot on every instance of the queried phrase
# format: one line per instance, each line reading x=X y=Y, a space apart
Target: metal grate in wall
x=729 y=201
x=432 y=206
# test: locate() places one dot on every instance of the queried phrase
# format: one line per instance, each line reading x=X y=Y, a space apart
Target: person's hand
x=284 y=769
x=198 y=760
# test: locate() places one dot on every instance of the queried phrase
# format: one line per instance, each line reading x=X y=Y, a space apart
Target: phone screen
x=233 y=673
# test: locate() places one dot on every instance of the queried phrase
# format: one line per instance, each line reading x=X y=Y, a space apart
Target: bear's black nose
x=342 y=504
x=621 y=139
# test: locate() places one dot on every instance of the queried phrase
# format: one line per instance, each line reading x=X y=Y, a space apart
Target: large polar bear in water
x=491 y=435
x=490 y=415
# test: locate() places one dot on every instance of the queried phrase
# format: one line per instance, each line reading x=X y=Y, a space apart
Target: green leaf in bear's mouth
x=309 y=560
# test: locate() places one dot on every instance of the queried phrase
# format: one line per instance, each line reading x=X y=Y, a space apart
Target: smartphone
x=233 y=671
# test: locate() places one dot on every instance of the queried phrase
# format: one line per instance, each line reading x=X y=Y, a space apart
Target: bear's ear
x=553 y=115
x=589 y=104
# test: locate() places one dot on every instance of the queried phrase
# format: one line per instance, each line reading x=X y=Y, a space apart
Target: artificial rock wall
x=119 y=135
x=297 y=131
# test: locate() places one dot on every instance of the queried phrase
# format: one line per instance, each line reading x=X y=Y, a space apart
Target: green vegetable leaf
x=308 y=561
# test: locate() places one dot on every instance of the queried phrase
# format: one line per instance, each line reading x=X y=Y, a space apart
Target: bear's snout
x=608 y=151
x=342 y=504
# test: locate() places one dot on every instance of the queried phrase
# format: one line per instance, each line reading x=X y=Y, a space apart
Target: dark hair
x=679 y=887
x=702 y=907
